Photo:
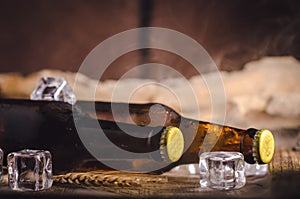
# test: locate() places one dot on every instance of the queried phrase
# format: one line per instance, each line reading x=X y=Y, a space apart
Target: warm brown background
x=58 y=34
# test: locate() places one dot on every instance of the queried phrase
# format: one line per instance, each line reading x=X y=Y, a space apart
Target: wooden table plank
x=284 y=182
x=285 y=161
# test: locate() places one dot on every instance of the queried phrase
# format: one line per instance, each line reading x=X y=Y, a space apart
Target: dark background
x=58 y=34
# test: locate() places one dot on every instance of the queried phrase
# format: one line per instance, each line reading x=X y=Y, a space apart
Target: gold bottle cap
x=264 y=146
x=172 y=144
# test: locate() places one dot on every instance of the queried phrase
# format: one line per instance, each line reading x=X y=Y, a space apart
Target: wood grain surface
x=285 y=161
x=282 y=181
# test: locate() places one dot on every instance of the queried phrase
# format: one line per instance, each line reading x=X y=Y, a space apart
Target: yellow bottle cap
x=264 y=146
x=172 y=144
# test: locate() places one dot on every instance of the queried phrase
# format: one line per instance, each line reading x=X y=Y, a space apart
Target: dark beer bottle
x=257 y=146
x=166 y=143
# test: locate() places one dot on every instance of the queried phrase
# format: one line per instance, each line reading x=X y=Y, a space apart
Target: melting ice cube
x=53 y=89
x=29 y=170
x=222 y=170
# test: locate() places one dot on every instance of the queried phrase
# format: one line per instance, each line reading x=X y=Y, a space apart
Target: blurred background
x=58 y=34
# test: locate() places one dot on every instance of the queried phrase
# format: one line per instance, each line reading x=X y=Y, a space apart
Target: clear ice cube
x=222 y=170
x=53 y=89
x=1 y=164
x=256 y=169
x=29 y=170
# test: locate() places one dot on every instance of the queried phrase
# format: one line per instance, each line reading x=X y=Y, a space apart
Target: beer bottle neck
x=257 y=146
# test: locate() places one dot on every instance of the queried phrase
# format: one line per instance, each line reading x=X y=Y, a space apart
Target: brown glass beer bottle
x=166 y=143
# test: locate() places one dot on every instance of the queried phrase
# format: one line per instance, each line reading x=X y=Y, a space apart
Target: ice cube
x=53 y=89
x=29 y=170
x=222 y=170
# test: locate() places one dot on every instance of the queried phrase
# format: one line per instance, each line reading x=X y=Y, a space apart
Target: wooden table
x=283 y=181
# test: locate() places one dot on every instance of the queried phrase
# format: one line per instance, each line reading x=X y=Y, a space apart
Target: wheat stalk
x=104 y=178
x=108 y=178
x=91 y=179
